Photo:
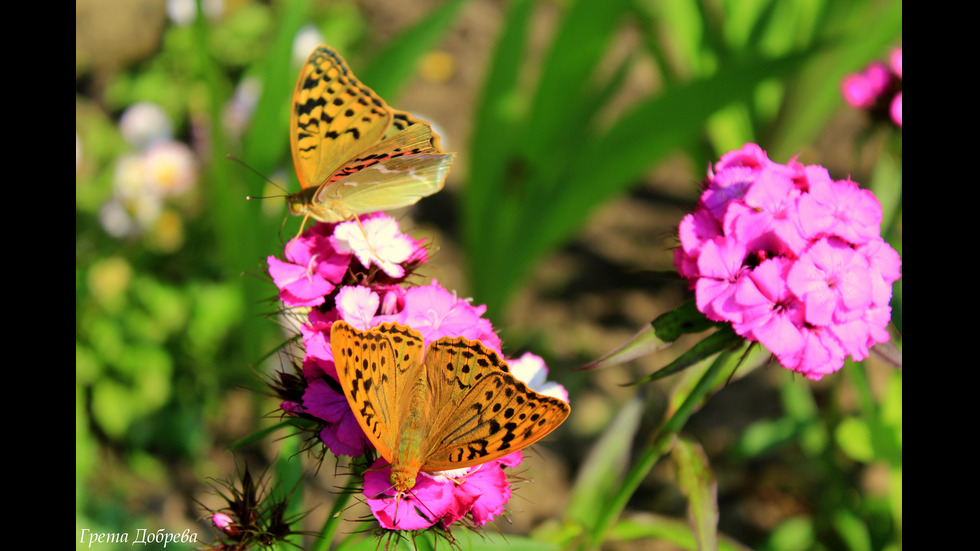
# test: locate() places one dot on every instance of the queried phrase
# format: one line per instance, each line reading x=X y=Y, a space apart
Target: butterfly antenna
x=260 y=175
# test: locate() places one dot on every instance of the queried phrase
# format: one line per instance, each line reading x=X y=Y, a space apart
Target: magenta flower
x=831 y=279
x=428 y=502
x=313 y=267
x=316 y=334
x=878 y=88
x=858 y=91
x=895 y=60
x=794 y=260
x=436 y=313
x=720 y=264
x=895 y=109
x=355 y=272
x=479 y=493
x=222 y=521
x=482 y=492
x=773 y=314
x=341 y=435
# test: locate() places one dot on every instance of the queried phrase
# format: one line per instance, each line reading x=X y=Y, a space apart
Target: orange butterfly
x=353 y=153
x=459 y=406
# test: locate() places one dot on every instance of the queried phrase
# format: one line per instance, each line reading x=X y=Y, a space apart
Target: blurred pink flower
x=895 y=60
x=895 y=110
x=858 y=91
x=878 y=88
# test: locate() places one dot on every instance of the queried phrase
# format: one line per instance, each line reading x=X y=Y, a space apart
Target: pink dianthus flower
x=355 y=271
x=793 y=260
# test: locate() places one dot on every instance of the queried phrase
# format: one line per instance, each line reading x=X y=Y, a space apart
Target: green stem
x=660 y=444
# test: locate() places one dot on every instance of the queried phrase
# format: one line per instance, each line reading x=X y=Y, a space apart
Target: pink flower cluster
x=877 y=87
x=791 y=258
x=358 y=274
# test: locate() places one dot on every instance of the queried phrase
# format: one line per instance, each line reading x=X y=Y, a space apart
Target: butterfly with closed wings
x=353 y=153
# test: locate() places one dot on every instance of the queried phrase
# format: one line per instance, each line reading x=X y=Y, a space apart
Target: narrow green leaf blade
x=697 y=482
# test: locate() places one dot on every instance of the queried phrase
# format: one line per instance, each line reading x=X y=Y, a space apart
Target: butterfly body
x=353 y=153
x=456 y=406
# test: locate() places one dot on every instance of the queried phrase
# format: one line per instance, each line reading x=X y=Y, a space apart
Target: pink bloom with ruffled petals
x=355 y=272
x=312 y=269
x=436 y=313
x=798 y=263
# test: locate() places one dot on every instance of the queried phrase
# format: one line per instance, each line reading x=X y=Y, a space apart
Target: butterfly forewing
x=374 y=368
x=333 y=117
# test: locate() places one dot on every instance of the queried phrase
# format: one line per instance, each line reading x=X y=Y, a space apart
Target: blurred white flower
x=183 y=12
x=115 y=220
x=128 y=179
x=170 y=168
x=141 y=182
x=145 y=123
x=306 y=40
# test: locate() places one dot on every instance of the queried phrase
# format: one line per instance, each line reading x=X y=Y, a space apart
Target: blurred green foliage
x=546 y=152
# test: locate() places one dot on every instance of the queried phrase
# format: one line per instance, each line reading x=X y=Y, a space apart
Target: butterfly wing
x=376 y=369
x=334 y=117
x=394 y=173
x=401 y=120
x=482 y=411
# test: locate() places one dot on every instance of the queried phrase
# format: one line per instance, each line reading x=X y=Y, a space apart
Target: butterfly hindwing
x=392 y=174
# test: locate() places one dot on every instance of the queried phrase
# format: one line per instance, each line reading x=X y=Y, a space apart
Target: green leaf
x=794 y=534
x=493 y=144
x=861 y=31
x=697 y=482
x=763 y=437
x=683 y=320
x=854 y=437
x=643 y=343
x=651 y=527
x=605 y=464
x=852 y=530
x=722 y=339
